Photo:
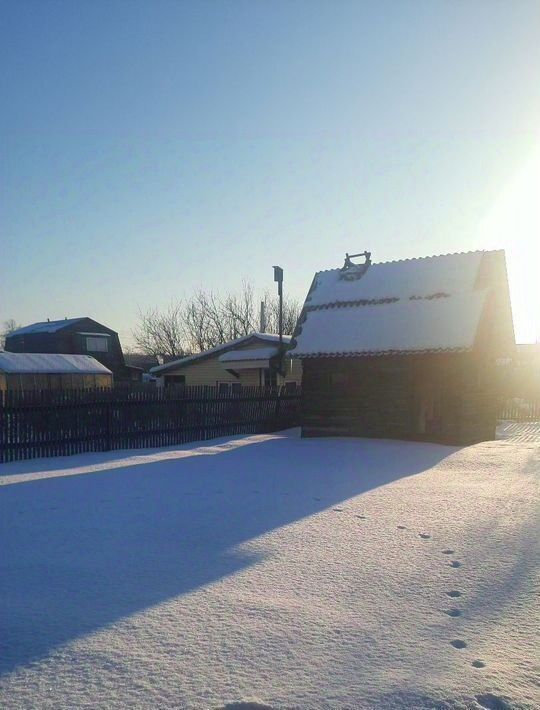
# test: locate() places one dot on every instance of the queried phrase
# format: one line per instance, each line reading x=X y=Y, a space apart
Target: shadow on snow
x=81 y=552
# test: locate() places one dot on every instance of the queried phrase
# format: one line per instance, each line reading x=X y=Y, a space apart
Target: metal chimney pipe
x=262 y=321
x=278 y=277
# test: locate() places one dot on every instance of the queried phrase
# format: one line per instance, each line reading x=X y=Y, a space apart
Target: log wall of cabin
x=448 y=398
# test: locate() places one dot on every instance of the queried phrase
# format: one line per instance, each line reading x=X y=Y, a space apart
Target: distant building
x=248 y=361
x=45 y=371
x=74 y=336
x=406 y=349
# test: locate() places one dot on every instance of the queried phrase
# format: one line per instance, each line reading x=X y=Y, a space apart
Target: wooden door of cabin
x=428 y=393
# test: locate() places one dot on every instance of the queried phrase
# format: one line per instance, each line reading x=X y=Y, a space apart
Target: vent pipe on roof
x=262 y=322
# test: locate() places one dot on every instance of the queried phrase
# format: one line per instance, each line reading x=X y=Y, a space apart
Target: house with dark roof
x=405 y=349
x=252 y=360
x=74 y=336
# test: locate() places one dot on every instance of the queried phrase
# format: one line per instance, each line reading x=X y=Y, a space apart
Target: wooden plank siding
x=440 y=398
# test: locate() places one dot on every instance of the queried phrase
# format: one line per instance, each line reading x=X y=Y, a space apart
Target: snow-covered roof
x=416 y=305
x=52 y=363
x=46 y=326
x=248 y=354
x=451 y=273
x=230 y=345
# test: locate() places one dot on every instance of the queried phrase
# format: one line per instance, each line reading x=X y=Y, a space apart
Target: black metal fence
x=521 y=410
x=62 y=423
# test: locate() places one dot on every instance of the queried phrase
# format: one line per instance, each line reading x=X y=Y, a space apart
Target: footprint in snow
x=448 y=552
x=453 y=593
x=455 y=563
x=424 y=536
x=458 y=643
x=478 y=664
x=453 y=612
x=492 y=702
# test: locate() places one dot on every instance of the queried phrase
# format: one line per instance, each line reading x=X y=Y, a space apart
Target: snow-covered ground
x=315 y=573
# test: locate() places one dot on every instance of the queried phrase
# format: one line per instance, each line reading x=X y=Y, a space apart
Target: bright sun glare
x=513 y=223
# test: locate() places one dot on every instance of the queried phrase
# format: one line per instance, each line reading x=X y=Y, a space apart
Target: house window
x=223 y=387
x=97 y=345
x=236 y=388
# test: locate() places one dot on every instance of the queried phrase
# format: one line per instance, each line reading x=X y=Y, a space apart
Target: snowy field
x=333 y=573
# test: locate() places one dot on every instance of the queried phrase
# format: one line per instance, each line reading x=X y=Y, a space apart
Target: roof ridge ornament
x=351 y=271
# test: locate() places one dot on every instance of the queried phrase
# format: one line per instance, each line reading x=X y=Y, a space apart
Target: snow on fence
x=521 y=410
x=62 y=423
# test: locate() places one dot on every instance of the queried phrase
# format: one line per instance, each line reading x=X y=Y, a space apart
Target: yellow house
x=247 y=361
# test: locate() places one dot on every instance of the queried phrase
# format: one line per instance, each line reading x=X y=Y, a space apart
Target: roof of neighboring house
x=248 y=354
x=140 y=360
x=224 y=347
x=429 y=304
x=46 y=326
x=50 y=363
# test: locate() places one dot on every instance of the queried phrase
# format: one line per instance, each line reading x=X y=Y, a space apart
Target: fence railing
x=521 y=410
x=60 y=423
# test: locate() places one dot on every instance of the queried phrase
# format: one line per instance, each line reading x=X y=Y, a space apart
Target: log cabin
x=405 y=349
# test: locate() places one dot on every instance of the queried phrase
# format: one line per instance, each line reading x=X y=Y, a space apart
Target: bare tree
x=161 y=332
x=9 y=326
x=211 y=319
x=208 y=319
x=291 y=313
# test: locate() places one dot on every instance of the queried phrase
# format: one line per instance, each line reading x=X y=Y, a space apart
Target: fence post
x=109 y=419
x=278 y=406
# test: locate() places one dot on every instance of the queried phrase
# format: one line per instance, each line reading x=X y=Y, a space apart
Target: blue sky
x=149 y=148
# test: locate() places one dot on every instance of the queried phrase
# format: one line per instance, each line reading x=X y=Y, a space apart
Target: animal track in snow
x=478 y=664
x=455 y=563
x=453 y=593
x=492 y=702
x=424 y=536
x=453 y=612
x=448 y=552
x=458 y=643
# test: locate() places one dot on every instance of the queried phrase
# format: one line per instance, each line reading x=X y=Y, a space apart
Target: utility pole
x=278 y=278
